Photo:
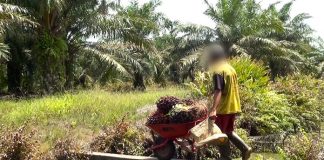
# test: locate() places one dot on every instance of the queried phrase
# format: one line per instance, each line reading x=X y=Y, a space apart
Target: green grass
x=263 y=156
x=92 y=108
x=80 y=114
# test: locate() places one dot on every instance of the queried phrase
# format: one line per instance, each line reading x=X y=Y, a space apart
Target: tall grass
x=91 y=108
x=78 y=115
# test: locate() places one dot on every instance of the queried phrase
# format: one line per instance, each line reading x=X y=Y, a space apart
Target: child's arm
x=216 y=100
x=219 y=83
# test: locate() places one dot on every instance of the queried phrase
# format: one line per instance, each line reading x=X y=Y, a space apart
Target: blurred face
x=215 y=53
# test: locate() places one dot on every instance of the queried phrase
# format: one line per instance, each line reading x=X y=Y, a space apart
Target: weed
x=68 y=149
x=17 y=145
x=302 y=146
x=121 y=139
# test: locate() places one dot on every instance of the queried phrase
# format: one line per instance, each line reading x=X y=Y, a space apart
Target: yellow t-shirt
x=230 y=100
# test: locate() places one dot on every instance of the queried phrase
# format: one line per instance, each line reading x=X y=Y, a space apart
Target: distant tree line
x=46 y=46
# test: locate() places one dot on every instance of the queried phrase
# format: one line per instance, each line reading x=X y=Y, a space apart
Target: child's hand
x=212 y=117
x=212 y=113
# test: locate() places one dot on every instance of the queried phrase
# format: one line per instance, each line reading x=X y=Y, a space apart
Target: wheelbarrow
x=166 y=135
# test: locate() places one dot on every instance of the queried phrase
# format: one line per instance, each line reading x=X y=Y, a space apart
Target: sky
x=191 y=11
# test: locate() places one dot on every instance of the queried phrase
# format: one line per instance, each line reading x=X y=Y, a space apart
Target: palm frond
x=224 y=32
x=287 y=62
x=285 y=11
x=276 y=48
x=256 y=41
x=191 y=59
x=196 y=32
x=4 y=51
x=300 y=18
x=238 y=50
x=126 y=52
x=211 y=11
x=110 y=59
x=10 y=14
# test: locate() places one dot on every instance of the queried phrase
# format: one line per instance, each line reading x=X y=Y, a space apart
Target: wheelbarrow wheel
x=165 y=152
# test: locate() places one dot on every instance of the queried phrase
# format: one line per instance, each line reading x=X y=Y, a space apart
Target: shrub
x=68 y=149
x=251 y=74
x=121 y=139
x=265 y=113
x=302 y=147
x=202 y=86
x=17 y=145
x=305 y=96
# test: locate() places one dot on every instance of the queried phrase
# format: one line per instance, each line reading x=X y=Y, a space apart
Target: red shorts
x=225 y=122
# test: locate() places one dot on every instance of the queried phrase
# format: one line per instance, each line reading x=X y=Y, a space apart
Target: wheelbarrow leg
x=163 y=149
x=188 y=147
x=154 y=136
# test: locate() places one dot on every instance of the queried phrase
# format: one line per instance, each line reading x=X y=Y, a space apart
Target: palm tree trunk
x=138 y=82
x=14 y=74
x=191 y=73
x=29 y=86
x=175 y=74
x=227 y=47
x=69 y=68
x=15 y=67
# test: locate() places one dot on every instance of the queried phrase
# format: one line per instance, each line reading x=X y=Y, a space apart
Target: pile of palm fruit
x=174 y=110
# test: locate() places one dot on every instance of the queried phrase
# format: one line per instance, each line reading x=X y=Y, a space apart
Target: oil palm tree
x=13 y=17
x=298 y=36
x=130 y=50
x=64 y=27
x=178 y=45
x=243 y=27
x=9 y=15
x=48 y=47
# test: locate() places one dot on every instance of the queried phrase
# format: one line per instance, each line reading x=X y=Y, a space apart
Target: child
x=225 y=101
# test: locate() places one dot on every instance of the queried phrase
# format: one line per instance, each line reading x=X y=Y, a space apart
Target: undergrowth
x=122 y=138
x=92 y=108
x=17 y=145
x=76 y=115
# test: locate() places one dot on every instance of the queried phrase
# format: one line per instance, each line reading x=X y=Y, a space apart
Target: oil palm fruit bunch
x=188 y=102
x=165 y=104
x=158 y=118
x=180 y=113
x=198 y=111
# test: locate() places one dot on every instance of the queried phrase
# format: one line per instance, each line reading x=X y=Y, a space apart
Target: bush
x=202 y=86
x=305 y=96
x=67 y=149
x=302 y=147
x=264 y=111
x=251 y=74
x=121 y=139
x=17 y=145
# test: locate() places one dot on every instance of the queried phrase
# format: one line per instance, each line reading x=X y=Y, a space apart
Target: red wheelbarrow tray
x=174 y=130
